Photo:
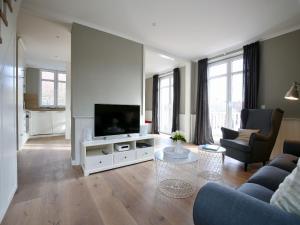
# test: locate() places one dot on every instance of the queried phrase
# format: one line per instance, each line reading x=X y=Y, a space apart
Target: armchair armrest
x=216 y=204
x=229 y=134
x=259 y=137
x=292 y=147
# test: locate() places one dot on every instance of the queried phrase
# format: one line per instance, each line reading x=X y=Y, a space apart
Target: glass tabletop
x=192 y=157
x=219 y=150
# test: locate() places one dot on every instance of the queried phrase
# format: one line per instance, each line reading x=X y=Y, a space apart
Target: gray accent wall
x=280 y=66
x=32 y=80
x=148 y=93
x=194 y=86
x=105 y=69
x=182 y=90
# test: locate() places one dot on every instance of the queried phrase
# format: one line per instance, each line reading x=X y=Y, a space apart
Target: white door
x=166 y=103
x=21 y=114
x=225 y=91
x=22 y=136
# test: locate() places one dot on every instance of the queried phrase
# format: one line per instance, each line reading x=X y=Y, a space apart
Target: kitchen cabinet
x=47 y=122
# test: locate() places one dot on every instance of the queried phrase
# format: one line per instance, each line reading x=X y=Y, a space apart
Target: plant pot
x=178 y=147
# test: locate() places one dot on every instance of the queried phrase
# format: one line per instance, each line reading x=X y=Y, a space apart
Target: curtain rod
x=226 y=55
x=165 y=74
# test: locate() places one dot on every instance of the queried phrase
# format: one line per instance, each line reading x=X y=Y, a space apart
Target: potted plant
x=178 y=138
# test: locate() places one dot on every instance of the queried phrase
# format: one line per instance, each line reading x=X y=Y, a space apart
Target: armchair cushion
x=269 y=177
x=257 y=191
x=236 y=144
x=285 y=161
x=244 y=134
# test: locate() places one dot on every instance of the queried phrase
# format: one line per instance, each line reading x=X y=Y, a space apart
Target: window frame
x=228 y=75
x=170 y=76
x=56 y=82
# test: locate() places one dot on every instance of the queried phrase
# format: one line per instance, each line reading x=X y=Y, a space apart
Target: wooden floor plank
x=52 y=192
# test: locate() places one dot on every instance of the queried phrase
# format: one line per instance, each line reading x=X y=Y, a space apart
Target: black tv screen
x=116 y=119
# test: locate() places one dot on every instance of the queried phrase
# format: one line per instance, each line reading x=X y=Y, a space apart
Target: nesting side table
x=176 y=178
x=211 y=162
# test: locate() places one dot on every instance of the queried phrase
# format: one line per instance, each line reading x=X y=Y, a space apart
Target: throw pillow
x=244 y=134
x=287 y=196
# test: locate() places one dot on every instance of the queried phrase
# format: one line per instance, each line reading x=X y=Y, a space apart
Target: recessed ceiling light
x=154 y=24
x=166 y=57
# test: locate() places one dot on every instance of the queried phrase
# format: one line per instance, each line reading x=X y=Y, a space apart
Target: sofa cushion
x=235 y=144
x=269 y=177
x=285 y=162
x=257 y=191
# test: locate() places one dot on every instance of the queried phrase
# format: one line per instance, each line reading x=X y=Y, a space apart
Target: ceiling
x=47 y=43
x=190 y=29
x=158 y=63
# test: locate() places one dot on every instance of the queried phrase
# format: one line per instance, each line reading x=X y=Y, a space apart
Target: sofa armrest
x=216 y=204
x=229 y=134
x=291 y=147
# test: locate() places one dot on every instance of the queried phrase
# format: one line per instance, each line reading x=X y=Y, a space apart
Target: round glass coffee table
x=211 y=162
x=176 y=178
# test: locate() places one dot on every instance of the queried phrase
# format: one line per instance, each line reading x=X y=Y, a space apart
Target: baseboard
x=4 y=210
x=46 y=135
x=75 y=163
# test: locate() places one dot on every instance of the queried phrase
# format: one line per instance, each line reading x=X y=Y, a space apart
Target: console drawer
x=144 y=153
x=123 y=157
x=96 y=162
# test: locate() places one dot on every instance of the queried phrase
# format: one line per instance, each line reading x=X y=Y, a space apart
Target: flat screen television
x=116 y=119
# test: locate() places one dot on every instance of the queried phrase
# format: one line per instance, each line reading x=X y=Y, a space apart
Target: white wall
x=68 y=102
x=8 y=133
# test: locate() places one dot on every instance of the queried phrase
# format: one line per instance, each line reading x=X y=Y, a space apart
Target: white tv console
x=100 y=155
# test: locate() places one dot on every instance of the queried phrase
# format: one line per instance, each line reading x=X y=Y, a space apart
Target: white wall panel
x=8 y=133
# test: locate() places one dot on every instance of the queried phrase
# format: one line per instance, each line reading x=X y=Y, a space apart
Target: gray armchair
x=260 y=144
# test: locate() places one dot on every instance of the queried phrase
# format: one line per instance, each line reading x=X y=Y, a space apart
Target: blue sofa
x=250 y=203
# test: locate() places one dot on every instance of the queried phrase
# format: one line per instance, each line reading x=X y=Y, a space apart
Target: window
x=53 y=89
x=166 y=103
x=225 y=94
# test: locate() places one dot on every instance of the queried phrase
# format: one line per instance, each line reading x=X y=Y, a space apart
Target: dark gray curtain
x=203 y=133
x=251 y=75
x=176 y=99
x=155 y=129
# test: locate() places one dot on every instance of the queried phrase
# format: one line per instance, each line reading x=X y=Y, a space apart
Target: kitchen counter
x=46 y=109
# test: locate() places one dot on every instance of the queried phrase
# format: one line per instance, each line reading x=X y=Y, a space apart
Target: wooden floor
x=52 y=192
